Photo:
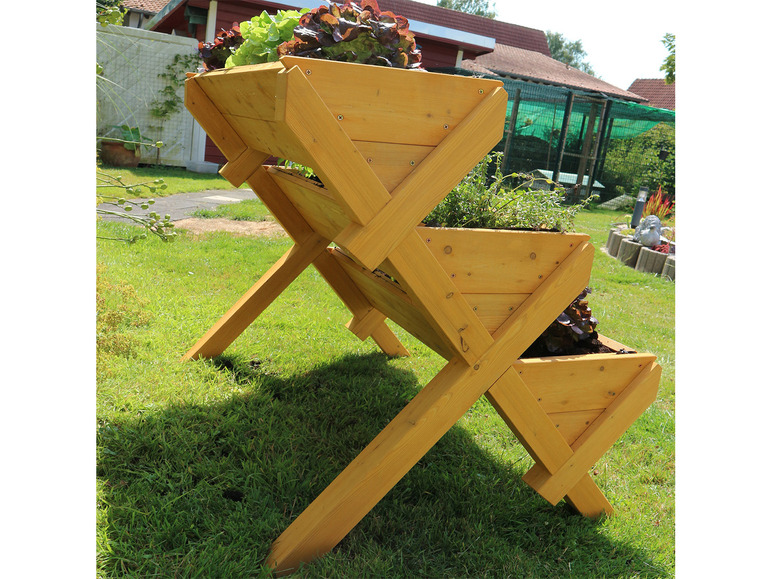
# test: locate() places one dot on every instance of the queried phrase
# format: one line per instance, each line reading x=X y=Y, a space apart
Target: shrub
x=659 y=205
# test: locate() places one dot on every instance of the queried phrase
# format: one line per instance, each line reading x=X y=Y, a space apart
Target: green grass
x=202 y=464
x=177 y=180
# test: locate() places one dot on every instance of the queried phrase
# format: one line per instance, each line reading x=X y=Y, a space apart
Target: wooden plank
x=499 y=261
x=271 y=136
x=395 y=304
x=246 y=91
x=313 y=201
x=438 y=297
x=429 y=183
x=493 y=309
x=588 y=382
x=241 y=168
x=392 y=162
x=211 y=120
x=259 y=297
x=336 y=159
x=599 y=437
x=394 y=105
x=571 y=425
x=363 y=326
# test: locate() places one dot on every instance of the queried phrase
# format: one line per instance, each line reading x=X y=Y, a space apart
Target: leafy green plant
x=354 y=33
x=659 y=205
x=132 y=139
x=487 y=198
x=214 y=54
x=262 y=35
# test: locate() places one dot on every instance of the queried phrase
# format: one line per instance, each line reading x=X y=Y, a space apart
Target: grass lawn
x=177 y=180
x=201 y=465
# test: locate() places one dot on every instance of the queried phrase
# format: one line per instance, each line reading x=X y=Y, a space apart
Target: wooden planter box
x=388 y=145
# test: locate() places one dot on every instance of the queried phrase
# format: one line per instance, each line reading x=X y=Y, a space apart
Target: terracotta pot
x=115 y=154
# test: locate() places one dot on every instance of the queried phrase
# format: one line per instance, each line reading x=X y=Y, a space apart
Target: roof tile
x=660 y=95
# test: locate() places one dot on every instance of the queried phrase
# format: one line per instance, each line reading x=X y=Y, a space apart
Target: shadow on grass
x=202 y=490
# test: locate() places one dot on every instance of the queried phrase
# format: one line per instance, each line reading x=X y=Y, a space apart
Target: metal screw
x=369 y=159
x=428 y=240
x=448 y=249
x=533 y=255
x=340 y=117
x=476 y=366
x=445 y=126
x=308 y=71
x=412 y=163
x=481 y=91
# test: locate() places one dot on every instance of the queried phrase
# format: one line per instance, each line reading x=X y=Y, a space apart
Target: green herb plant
x=486 y=198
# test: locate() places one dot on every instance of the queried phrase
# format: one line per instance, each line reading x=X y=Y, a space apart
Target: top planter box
x=388 y=145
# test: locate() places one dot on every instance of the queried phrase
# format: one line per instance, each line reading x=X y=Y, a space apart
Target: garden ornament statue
x=649 y=232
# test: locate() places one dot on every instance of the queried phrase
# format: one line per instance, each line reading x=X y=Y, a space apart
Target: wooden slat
x=335 y=159
x=395 y=304
x=499 y=261
x=493 y=309
x=392 y=162
x=589 y=382
x=429 y=183
x=394 y=105
x=313 y=201
x=211 y=120
x=246 y=91
x=273 y=137
x=435 y=294
x=571 y=425
x=241 y=168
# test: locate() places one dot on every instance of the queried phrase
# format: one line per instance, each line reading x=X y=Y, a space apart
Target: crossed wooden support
x=566 y=411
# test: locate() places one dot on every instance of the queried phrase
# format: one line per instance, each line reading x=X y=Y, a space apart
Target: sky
x=622 y=43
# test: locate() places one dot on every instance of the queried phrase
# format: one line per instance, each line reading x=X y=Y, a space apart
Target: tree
x=570 y=52
x=668 y=66
x=476 y=7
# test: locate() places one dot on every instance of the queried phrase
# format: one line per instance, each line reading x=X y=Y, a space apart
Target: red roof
x=152 y=6
x=534 y=66
x=660 y=95
x=503 y=32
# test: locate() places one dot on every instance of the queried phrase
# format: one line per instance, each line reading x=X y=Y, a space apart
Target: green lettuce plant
x=354 y=33
x=262 y=35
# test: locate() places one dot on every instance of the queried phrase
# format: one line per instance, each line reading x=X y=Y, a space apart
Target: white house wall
x=132 y=59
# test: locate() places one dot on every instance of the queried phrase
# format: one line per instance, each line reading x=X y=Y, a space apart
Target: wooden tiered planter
x=388 y=146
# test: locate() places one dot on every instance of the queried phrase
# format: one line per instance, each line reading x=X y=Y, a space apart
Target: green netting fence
x=550 y=133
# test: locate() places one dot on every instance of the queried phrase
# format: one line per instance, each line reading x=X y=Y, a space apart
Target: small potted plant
x=125 y=151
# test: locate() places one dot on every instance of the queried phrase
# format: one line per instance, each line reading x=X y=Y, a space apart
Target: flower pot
x=114 y=153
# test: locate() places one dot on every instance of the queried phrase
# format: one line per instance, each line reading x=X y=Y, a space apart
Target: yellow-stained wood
x=429 y=183
x=573 y=383
x=313 y=201
x=572 y=424
x=396 y=304
x=259 y=297
x=320 y=134
x=241 y=168
x=394 y=105
x=208 y=115
x=246 y=91
x=273 y=137
x=362 y=327
x=599 y=437
x=499 y=261
x=435 y=294
x=392 y=162
x=494 y=309
x=520 y=409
